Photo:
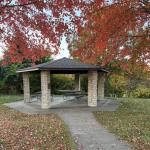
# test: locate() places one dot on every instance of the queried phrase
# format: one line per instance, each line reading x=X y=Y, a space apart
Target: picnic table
x=65 y=93
x=77 y=94
x=37 y=95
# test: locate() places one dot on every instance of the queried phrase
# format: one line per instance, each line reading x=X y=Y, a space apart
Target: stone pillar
x=92 y=88
x=45 y=90
x=101 y=81
x=77 y=82
x=26 y=87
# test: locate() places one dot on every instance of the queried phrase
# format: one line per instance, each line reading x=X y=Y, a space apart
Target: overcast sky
x=64 y=52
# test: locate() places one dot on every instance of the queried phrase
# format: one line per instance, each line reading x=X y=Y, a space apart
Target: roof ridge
x=85 y=63
x=79 y=61
x=53 y=62
x=43 y=64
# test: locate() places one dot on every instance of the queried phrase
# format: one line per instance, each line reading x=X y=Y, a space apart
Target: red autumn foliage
x=116 y=30
x=19 y=51
x=105 y=30
x=32 y=29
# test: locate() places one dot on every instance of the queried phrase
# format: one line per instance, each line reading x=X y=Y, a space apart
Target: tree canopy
x=115 y=31
x=98 y=31
x=32 y=29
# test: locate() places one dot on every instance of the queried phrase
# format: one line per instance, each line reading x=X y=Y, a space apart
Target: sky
x=64 y=52
x=1 y=50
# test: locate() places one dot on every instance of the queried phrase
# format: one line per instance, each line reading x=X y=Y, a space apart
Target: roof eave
x=26 y=70
x=74 y=69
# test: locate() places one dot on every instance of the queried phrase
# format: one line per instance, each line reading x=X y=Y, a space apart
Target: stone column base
x=92 y=88
x=26 y=87
x=45 y=91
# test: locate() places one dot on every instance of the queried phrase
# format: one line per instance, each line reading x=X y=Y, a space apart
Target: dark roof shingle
x=63 y=64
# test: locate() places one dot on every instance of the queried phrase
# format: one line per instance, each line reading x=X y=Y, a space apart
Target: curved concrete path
x=88 y=133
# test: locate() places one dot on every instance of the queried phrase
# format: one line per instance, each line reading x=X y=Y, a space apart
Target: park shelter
x=96 y=78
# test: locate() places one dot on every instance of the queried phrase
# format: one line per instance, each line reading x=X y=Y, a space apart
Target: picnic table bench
x=65 y=93
x=36 y=95
x=77 y=94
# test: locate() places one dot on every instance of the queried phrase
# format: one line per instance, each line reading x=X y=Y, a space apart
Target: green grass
x=131 y=122
x=10 y=98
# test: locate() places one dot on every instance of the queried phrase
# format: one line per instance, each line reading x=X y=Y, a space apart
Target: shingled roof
x=64 y=64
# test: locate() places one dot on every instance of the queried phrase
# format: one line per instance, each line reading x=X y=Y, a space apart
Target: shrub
x=117 y=85
x=141 y=92
x=10 y=81
x=61 y=82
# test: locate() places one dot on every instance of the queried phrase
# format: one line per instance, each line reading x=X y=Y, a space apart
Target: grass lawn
x=131 y=122
x=19 y=131
x=10 y=98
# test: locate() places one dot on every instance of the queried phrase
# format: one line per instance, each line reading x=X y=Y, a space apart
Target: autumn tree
x=115 y=31
x=105 y=31
x=32 y=29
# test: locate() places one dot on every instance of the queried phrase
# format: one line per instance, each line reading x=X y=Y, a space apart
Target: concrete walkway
x=58 y=104
x=87 y=132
